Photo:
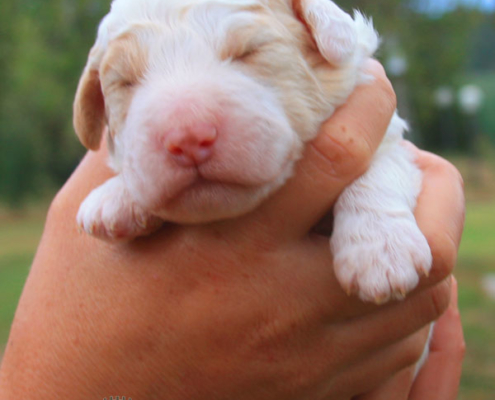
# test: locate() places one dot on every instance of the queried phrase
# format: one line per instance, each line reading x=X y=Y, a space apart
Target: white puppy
x=208 y=104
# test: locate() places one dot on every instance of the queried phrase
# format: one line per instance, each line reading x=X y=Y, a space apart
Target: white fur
x=109 y=212
x=379 y=251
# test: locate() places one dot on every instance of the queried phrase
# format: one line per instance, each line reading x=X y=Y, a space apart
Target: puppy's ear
x=333 y=30
x=89 y=104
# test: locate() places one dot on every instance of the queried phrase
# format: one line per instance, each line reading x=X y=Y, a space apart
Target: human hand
x=240 y=309
x=439 y=378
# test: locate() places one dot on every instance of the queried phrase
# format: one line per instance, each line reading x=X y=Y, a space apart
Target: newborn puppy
x=208 y=104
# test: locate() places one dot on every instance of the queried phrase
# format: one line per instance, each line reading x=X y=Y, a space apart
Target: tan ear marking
x=89 y=109
x=332 y=29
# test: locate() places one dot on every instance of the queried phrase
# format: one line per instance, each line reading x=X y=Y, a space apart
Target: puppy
x=208 y=104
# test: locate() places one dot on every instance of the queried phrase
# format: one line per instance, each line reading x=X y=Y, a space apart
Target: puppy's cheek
x=252 y=156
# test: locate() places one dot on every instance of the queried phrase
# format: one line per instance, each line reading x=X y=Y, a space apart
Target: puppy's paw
x=109 y=213
x=379 y=259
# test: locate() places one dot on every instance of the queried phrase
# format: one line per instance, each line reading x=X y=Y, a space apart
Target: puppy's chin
x=207 y=201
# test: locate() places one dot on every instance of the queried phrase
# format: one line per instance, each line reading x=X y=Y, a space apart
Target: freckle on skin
x=343 y=128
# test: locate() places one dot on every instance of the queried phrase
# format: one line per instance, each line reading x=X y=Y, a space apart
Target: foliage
x=18 y=241
x=46 y=49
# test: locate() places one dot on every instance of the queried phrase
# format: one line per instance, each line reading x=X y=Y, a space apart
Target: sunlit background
x=440 y=55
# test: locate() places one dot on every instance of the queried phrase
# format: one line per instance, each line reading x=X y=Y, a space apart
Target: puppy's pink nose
x=191 y=146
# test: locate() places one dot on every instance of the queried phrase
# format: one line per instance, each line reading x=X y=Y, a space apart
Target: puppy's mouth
x=200 y=185
x=205 y=197
x=204 y=200
x=207 y=179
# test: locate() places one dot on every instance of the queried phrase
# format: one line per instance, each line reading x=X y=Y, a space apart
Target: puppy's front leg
x=110 y=213
x=379 y=251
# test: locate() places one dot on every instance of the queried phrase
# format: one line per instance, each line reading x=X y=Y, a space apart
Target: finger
x=368 y=374
x=440 y=376
x=341 y=152
x=440 y=212
x=395 y=321
x=396 y=388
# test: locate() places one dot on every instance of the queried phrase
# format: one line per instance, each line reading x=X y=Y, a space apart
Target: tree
x=49 y=41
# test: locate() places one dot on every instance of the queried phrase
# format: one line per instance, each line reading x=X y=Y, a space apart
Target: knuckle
x=388 y=96
x=455 y=315
x=383 y=87
x=444 y=251
x=439 y=299
x=456 y=175
x=461 y=349
x=303 y=380
x=347 y=153
x=447 y=169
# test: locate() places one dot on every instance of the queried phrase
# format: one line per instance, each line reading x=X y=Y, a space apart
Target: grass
x=476 y=259
x=19 y=237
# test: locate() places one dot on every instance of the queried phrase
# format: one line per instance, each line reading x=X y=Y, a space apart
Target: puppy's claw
x=401 y=294
x=380 y=299
x=91 y=229
x=142 y=221
x=352 y=288
x=109 y=213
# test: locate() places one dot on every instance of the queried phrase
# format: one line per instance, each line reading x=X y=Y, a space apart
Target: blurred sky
x=441 y=6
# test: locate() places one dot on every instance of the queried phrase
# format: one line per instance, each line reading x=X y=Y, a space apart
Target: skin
x=241 y=309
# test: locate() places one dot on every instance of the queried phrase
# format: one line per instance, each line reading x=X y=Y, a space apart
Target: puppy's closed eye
x=248 y=41
x=113 y=80
x=123 y=67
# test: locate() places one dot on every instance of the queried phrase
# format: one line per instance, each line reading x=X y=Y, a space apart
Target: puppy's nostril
x=175 y=150
x=193 y=145
x=207 y=143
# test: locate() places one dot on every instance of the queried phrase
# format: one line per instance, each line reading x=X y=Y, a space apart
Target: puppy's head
x=208 y=103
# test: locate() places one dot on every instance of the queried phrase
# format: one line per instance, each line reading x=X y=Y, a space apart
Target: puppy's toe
x=384 y=265
x=108 y=213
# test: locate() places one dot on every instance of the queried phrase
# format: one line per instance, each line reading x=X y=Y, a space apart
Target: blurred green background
x=440 y=55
